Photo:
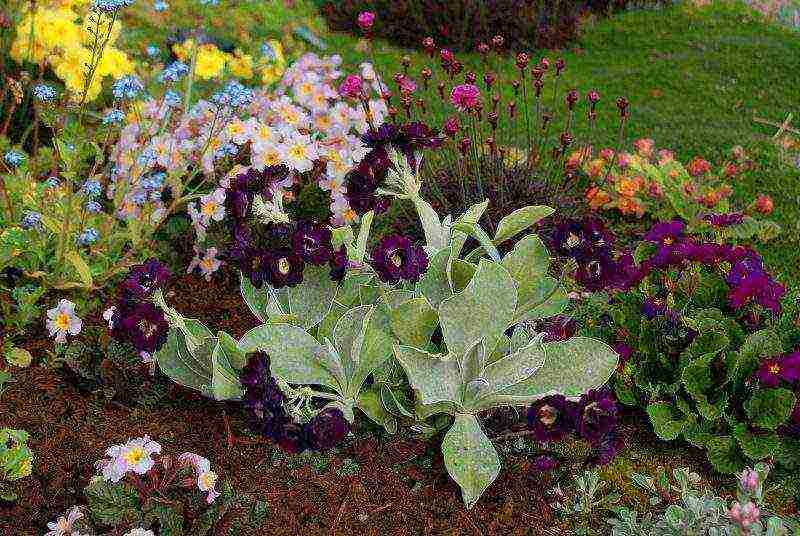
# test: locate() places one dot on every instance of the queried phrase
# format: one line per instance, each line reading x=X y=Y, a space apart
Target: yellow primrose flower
x=241 y=65
x=210 y=62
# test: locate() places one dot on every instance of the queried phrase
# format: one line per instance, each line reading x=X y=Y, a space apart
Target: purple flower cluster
x=593 y=418
x=747 y=279
x=278 y=253
x=599 y=268
x=267 y=415
x=396 y=258
x=365 y=179
x=591 y=245
x=135 y=319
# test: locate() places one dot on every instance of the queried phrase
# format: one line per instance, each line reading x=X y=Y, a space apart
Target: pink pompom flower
x=465 y=97
x=352 y=87
x=365 y=20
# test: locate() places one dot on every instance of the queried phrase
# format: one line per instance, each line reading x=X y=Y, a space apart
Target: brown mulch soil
x=375 y=485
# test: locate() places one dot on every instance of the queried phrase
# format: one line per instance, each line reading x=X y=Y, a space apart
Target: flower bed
x=485 y=331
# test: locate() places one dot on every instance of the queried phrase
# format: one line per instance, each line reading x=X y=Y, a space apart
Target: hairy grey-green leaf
x=520 y=220
x=259 y=301
x=516 y=367
x=540 y=297
x=461 y=273
x=295 y=356
x=311 y=300
x=476 y=231
x=470 y=458
x=236 y=358
x=369 y=402
x=434 y=233
x=479 y=312
x=413 y=322
x=571 y=367
x=375 y=348
x=225 y=384
x=528 y=259
x=434 y=284
x=434 y=378
x=473 y=362
x=348 y=337
x=186 y=368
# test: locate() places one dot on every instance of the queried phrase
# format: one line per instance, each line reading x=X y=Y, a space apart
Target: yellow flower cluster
x=61 y=34
x=211 y=62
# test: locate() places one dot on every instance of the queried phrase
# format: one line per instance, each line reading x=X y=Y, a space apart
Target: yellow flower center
x=134 y=456
x=298 y=151
x=209 y=208
x=774 y=369
x=283 y=266
x=62 y=321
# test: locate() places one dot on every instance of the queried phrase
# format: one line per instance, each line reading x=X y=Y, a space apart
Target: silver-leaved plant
x=334 y=336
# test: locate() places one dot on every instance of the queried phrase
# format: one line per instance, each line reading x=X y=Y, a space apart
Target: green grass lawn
x=695 y=78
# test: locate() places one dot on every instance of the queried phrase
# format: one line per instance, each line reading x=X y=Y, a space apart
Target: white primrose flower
x=212 y=206
x=62 y=321
x=108 y=316
x=64 y=525
x=133 y=456
x=140 y=532
x=207 y=262
x=300 y=152
x=206 y=478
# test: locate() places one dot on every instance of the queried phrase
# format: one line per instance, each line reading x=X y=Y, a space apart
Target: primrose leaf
x=413 y=322
x=225 y=383
x=434 y=284
x=570 y=368
x=311 y=300
x=363 y=344
x=369 y=402
x=434 y=378
x=665 y=423
x=470 y=457
x=520 y=220
x=434 y=232
x=528 y=259
x=295 y=356
x=479 y=312
x=261 y=302
x=769 y=408
x=192 y=369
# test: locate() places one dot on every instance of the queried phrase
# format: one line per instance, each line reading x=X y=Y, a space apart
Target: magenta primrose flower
x=352 y=87
x=365 y=20
x=465 y=97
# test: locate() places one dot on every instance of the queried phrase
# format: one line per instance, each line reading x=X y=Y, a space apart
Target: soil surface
x=375 y=484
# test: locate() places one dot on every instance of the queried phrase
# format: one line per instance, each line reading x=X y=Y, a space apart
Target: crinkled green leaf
x=756 y=446
x=470 y=458
x=112 y=504
x=770 y=408
x=724 y=455
x=479 y=312
x=667 y=424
